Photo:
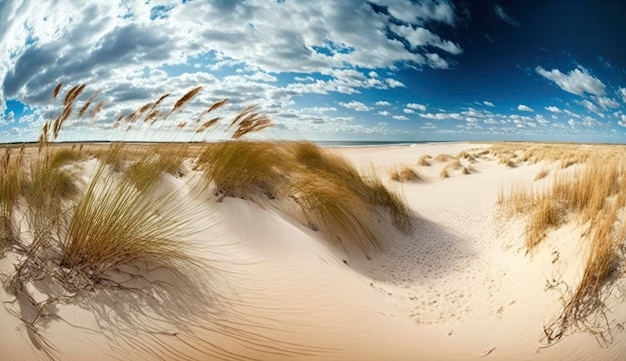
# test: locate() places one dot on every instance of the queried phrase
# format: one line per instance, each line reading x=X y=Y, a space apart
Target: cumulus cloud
x=409 y=111
x=420 y=12
x=622 y=94
x=524 y=108
x=553 y=109
x=605 y=102
x=356 y=106
x=442 y=116
x=622 y=121
x=502 y=15
x=488 y=103
x=416 y=106
x=590 y=106
x=419 y=37
x=384 y=113
x=577 y=81
x=136 y=51
x=382 y=103
x=400 y=117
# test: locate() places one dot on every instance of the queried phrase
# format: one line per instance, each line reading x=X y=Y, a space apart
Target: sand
x=458 y=287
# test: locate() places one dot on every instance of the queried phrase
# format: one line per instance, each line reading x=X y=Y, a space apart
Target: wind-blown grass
x=323 y=183
x=11 y=180
x=245 y=169
x=115 y=223
x=592 y=196
x=405 y=175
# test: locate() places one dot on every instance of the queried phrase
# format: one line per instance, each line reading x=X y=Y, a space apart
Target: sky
x=423 y=70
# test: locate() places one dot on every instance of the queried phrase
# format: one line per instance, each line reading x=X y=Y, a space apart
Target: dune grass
x=542 y=174
x=442 y=158
x=245 y=169
x=330 y=192
x=405 y=174
x=592 y=196
x=11 y=180
x=114 y=223
x=424 y=161
x=145 y=171
x=444 y=173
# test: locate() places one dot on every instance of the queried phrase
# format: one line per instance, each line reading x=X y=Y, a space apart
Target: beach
x=458 y=284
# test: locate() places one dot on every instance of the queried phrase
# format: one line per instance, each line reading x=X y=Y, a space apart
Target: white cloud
x=504 y=16
x=605 y=102
x=9 y=118
x=421 y=37
x=356 y=106
x=524 y=108
x=541 y=119
x=384 y=113
x=382 y=103
x=622 y=122
x=553 y=109
x=400 y=117
x=393 y=83
x=416 y=106
x=488 y=103
x=418 y=12
x=409 y=111
x=442 y=116
x=622 y=94
x=577 y=81
x=590 y=106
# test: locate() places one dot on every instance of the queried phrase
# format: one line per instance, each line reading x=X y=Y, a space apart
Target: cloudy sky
x=325 y=70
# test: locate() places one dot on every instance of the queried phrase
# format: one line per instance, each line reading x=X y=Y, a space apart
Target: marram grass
x=114 y=222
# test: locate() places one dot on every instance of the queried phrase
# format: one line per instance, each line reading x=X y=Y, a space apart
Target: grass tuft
x=113 y=223
x=405 y=175
x=424 y=161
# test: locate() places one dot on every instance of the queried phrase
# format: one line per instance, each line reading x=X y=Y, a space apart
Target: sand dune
x=458 y=286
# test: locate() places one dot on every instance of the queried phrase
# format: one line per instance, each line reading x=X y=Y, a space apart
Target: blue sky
x=325 y=70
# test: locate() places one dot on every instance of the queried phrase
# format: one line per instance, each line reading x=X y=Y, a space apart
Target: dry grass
x=508 y=161
x=442 y=158
x=424 y=161
x=113 y=223
x=465 y=155
x=330 y=192
x=542 y=174
x=147 y=170
x=444 y=173
x=11 y=182
x=548 y=215
x=468 y=169
x=453 y=165
x=405 y=174
x=245 y=169
x=593 y=196
x=338 y=212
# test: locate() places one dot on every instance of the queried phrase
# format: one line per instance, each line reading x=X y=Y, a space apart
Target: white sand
x=458 y=288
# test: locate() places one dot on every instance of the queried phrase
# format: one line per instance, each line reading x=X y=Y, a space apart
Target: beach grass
x=405 y=174
x=594 y=197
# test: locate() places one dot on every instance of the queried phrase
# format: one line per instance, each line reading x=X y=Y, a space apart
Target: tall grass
x=593 y=196
x=115 y=223
x=330 y=192
x=11 y=179
x=245 y=169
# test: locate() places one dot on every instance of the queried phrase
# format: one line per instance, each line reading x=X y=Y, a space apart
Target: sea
x=383 y=143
